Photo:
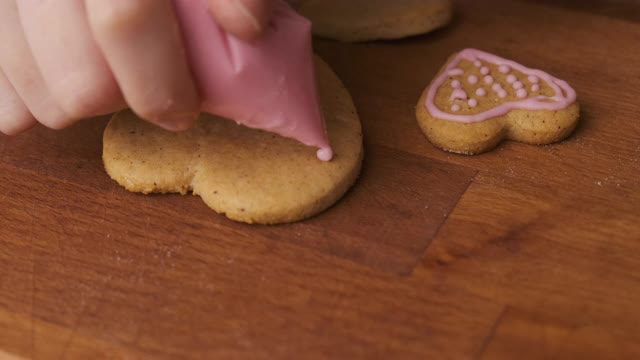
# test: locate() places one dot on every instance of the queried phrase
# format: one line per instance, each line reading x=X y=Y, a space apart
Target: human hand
x=63 y=61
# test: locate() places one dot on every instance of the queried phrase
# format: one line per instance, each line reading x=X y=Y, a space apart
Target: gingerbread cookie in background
x=479 y=99
x=362 y=20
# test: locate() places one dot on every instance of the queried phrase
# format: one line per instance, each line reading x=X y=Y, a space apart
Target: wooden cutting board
x=524 y=252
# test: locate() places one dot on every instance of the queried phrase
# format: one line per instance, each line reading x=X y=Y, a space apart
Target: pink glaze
x=484 y=70
x=522 y=93
x=472 y=79
x=267 y=84
x=455 y=107
x=496 y=87
x=564 y=95
x=504 y=69
x=533 y=79
x=517 y=85
x=455 y=84
x=472 y=102
x=511 y=79
x=458 y=94
x=535 y=87
x=455 y=72
x=477 y=63
x=481 y=92
x=488 y=79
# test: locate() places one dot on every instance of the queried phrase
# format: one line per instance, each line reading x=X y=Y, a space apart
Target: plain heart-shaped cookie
x=250 y=175
x=479 y=99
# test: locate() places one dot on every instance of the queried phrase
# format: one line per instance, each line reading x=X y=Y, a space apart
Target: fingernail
x=253 y=20
x=178 y=122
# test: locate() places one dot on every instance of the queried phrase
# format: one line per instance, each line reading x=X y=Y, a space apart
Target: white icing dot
x=484 y=70
x=502 y=93
x=472 y=102
x=455 y=84
x=522 y=93
x=488 y=79
x=472 y=79
x=504 y=69
x=517 y=85
x=496 y=87
x=477 y=63
x=481 y=92
x=455 y=108
x=511 y=79
x=535 y=87
x=455 y=72
x=533 y=79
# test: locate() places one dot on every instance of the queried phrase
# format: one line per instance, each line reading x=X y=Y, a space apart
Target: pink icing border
x=561 y=100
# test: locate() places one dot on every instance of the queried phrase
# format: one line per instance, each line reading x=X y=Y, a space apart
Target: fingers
x=245 y=19
x=141 y=42
x=69 y=60
x=21 y=71
x=14 y=115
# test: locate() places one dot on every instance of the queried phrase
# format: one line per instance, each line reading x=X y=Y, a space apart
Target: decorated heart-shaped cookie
x=250 y=175
x=478 y=99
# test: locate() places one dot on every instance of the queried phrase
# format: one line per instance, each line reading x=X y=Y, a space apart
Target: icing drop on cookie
x=455 y=84
x=535 y=87
x=455 y=108
x=484 y=70
x=472 y=102
x=488 y=79
x=518 y=85
x=481 y=92
x=455 y=72
x=458 y=94
x=325 y=154
x=511 y=79
x=522 y=93
x=563 y=94
x=477 y=63
x=533 y=79
x=472 y=79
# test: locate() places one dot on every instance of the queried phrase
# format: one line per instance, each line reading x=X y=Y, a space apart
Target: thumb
x=245 y=19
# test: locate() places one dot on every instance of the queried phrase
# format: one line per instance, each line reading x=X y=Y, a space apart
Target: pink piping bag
x=267 y=84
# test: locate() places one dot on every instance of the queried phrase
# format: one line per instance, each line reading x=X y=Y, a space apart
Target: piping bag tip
x=266 y=84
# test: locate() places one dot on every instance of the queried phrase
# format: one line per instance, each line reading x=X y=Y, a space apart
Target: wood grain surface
x=524 y=252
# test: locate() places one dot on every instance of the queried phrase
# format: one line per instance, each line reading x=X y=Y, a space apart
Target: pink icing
x=481 y=92
x=496 y=87
x=533 y=79
x=455 y=72
x=477 y=63
x=455 y=108
x=472 y=102
x=518 y=85
x=564 y=95
x=455 y=84
x=502 y=93
x=535 y=87
x=511 y=79
x=458 y=94
x=266 y=84
x=504 y=68
x=488 y=79
x=521 y=93
x=472 y=79
x=484 y=70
